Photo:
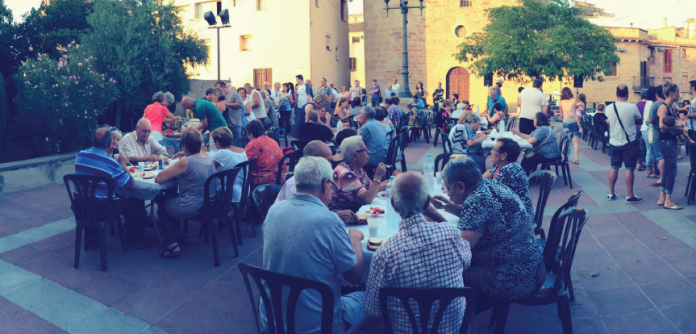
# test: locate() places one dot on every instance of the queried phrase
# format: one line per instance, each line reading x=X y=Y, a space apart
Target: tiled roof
x=656 y=41
x=356 y=26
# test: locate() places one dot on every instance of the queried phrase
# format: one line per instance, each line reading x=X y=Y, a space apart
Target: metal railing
x=640 y=83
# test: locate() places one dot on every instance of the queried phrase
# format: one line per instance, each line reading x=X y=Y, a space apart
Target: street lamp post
x=225 y=20
x=404 y=7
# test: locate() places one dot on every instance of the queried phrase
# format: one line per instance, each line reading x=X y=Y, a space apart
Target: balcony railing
x=640 y=83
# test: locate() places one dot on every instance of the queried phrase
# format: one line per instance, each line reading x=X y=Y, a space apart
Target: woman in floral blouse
x=352 y=187
x=266 y=151
x=506 y=170
x=506 y=261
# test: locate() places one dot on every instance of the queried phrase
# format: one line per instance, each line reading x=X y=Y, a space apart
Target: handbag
x=531 y=153
x=633 y=146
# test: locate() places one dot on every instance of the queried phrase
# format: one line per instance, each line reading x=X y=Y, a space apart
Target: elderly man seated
x=314 y=148
x=140 y=146
x=507 y=263
x=352 y=187
x=97 y=162
x=374 y=135
x=312 y=130
x=301 y=237
x=421 y=255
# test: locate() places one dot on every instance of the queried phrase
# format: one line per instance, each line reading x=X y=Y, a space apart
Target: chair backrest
x=425 y=297
x=566 y=141
x=550 y=255
x=404 y=138
x=394 y=150
x=217 y=194
x=546 y=181
x=273 y=304
x=691 y=149
x=242 y=141
x=446 y=143
x=441 y=160
x=404 y=121
x=264 y=196
x=83 y=197
x=167 y=144
x=291 y=158
x=429 y=119
x=298 y=145
x=511 y=123
x=247 y=167
x=562 y=241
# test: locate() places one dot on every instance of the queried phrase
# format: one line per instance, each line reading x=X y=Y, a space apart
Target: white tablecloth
x=492 y=139
x=148 y=189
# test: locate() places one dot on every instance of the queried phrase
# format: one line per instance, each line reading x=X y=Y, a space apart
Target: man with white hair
x=140 y=146
x=234 y=104
x=494 y=98
x=421 y=255
x=303 y=238
x=374 y=135
x=257 y=105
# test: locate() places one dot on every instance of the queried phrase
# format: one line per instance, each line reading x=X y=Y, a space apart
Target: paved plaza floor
x=634 y=270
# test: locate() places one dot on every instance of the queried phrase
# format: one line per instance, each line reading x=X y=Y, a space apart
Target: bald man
x=140 y=146
x=315 y=148
x=211 y=118
x=97 y=162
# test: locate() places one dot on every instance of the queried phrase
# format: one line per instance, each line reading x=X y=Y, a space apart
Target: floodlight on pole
x=208 y=16
x=404 y=7
x=212 y=22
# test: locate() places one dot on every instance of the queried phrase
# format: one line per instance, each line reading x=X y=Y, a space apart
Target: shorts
x=622 y=156
x=572 y=128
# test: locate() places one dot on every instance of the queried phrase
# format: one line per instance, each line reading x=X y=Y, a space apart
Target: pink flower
x=76 y=82
x=38 y=58
x=69 y=44
x=27 y=82
x=66 y=104
x=46 y=138
x=85 y=112
x=36 y=86
x=79 y=64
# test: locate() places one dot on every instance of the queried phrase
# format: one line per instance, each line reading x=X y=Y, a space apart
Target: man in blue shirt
x=375 y=92
x=494 y=98
x=374 y=135
x=302 y=238
x=692 y=111
x=97 y=162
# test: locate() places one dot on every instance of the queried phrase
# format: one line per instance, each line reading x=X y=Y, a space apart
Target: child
x=681 y=140
x=671 y=121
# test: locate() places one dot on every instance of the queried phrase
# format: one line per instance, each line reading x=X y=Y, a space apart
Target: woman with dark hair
x=509 y=172
x=666 y=117
x=544 y=141
x=343 y=111
x=571 y=121
x=654 y=134
x=420 y=91
x=266 y=151
x=193 y=169
x=284 y=108
x=381 y=117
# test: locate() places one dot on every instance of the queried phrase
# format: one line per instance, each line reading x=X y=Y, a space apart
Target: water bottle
x=429 y=172
x=477 y=110
x=501 y=126
x=392 y=216
x=161 y=161
x=339 y=126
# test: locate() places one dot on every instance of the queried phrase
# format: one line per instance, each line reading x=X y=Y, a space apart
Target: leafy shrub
x=58 y=101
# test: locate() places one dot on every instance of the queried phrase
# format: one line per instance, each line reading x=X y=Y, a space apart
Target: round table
x=147 y=189
x=492 y=139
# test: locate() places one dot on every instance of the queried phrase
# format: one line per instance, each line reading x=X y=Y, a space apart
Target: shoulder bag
x=532 y=152
x=632 y=146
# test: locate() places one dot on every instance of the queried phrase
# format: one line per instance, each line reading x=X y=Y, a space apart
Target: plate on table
x=382 y=195
x=375 y=210
x=152 y=166
x=144 y=176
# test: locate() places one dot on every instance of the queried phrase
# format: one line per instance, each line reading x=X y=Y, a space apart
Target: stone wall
x=35 y=173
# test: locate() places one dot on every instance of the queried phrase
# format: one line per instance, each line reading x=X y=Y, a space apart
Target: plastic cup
x=438 y=177
x=372 y=226
x=141 y=166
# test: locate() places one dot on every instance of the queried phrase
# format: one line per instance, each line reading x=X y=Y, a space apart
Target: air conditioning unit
x=660 y=49
x=622 y=49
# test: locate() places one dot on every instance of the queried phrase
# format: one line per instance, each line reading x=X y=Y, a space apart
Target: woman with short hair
x=465 y=140
x=157 y=114
x=544 y=141
x=509 y=172
x=571 y=121
x=192 y=170
x=228 y=157
x=266 y=151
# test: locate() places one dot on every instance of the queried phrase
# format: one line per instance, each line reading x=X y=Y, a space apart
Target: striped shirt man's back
x=97 y=162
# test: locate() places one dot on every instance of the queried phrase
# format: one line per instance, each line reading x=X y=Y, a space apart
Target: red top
x=155 y=113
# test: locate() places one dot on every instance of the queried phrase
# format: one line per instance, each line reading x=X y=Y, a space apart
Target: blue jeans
x=669 y=151
x=236 y=134
x=375 y=102
x=649 y=155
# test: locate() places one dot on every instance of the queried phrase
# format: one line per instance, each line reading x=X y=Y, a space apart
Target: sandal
x=675 y=207
x=656 y=184
x=576 y=162
x=171 y=252
x=653 y=176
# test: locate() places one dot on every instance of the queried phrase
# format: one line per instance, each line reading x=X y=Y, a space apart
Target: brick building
x=356 y=36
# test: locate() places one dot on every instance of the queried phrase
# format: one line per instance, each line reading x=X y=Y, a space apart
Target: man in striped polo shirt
x=96 y=161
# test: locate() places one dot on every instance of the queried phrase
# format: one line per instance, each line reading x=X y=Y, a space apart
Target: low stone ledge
x=35 y=173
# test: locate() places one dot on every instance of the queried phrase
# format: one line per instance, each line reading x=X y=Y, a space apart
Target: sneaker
x=611 y=197
x=633 y=200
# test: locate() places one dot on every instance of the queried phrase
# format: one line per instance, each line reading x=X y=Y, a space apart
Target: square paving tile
x=618 y=241
x=73 y=279
x=602 y=279
x=108 y=290
x=221 y=298
x=180 y=284
x=649 y=321
x=670 y=292
x=633 y=255
x=650 y=271
x=593 y=261
x=191 y=318
x=30 y=323
x=9 y=311
x=148 y=305
x=685 y=265
x=619 y=301
x=682 y=316
x=23 y=254
x=673 y=250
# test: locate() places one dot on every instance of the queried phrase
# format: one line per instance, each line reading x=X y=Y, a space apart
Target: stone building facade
x=356 y=40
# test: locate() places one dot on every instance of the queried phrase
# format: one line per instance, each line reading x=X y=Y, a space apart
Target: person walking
x=571 y=121
x=623 y=117
x=666 y=117
x=691 y=122
x=532 y=101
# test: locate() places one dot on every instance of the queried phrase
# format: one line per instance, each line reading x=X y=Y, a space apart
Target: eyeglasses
x=363 y=150
x=494 y=150
x=332 y=182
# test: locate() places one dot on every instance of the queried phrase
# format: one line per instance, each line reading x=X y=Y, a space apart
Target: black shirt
x=313 y=131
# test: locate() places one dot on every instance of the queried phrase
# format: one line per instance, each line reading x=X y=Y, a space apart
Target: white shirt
x=335 y=93
x=396 y=88
x=131 y=147
x=691 y=123
x=301 y=91
x=533 y=101
x=457 y=113
x=629 y=113
x=646 y=114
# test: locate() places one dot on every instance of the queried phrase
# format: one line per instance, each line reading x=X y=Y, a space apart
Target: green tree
x=144 y=46
x=537 y=40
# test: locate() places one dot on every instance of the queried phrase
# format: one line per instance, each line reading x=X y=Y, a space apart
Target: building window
x=262 y=75
x=667 y=62
x=328 y=43
x=260 y=4
x=460 y=31
x=356 y=39
x=245 y=43
x=207 y=46
x=612 y=68
x=353 y=64
x=685 y=80
x=316 y=3
x=465 y=3
x=201 y=8
x=344 y=12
